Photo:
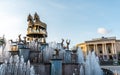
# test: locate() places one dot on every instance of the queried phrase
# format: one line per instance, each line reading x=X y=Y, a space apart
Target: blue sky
x=77 y=20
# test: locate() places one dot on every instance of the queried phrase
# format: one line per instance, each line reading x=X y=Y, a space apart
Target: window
x=110 y=57
x=82 y=48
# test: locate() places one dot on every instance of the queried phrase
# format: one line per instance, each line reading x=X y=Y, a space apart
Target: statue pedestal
x=74 y=56
x=25 y=53
x=56 y=66
x=67 y=56
x=14 y=53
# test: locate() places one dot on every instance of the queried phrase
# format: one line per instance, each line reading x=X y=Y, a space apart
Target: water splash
x=80 y=56
x=16 y=67
x=92 y=66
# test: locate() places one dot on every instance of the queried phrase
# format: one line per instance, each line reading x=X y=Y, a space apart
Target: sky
x=76 y=20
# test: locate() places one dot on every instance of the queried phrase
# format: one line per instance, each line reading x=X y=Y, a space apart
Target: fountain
x=33 y=56
x=55 y=60
x=15 y=65
x=92 y=66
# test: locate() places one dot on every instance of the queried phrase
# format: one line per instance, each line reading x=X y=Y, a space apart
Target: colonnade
x=108 y=48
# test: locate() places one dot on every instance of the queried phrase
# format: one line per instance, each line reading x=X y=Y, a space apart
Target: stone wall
x=67 y=69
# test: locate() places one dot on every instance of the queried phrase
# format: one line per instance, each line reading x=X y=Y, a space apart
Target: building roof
x=102 y=39
x=81 y=44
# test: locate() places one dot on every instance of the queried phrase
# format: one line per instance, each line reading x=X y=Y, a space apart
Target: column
x=115 y=48
x=106 y=52
x=88 y=49
x=94 y=47
x=115 y=52
x=97 y=49
x=112 y=49
x=103 y=50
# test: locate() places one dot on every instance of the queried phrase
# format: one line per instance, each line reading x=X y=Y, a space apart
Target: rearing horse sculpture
x=62 y=43
x=19 y=38
x=56 y=53
x=68 y=43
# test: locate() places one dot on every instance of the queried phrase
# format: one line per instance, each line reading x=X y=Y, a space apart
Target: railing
x=37 y=31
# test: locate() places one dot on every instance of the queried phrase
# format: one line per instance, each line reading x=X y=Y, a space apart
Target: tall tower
x=36 y=29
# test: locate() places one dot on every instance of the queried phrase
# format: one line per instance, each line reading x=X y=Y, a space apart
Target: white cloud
x=103 y=31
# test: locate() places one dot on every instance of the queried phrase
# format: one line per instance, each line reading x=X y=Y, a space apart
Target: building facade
x=106 y=48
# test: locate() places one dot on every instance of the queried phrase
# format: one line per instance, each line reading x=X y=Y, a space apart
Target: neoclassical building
x=105 y=47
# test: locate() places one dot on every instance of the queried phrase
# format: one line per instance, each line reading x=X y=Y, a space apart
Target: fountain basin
x=14 y=52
